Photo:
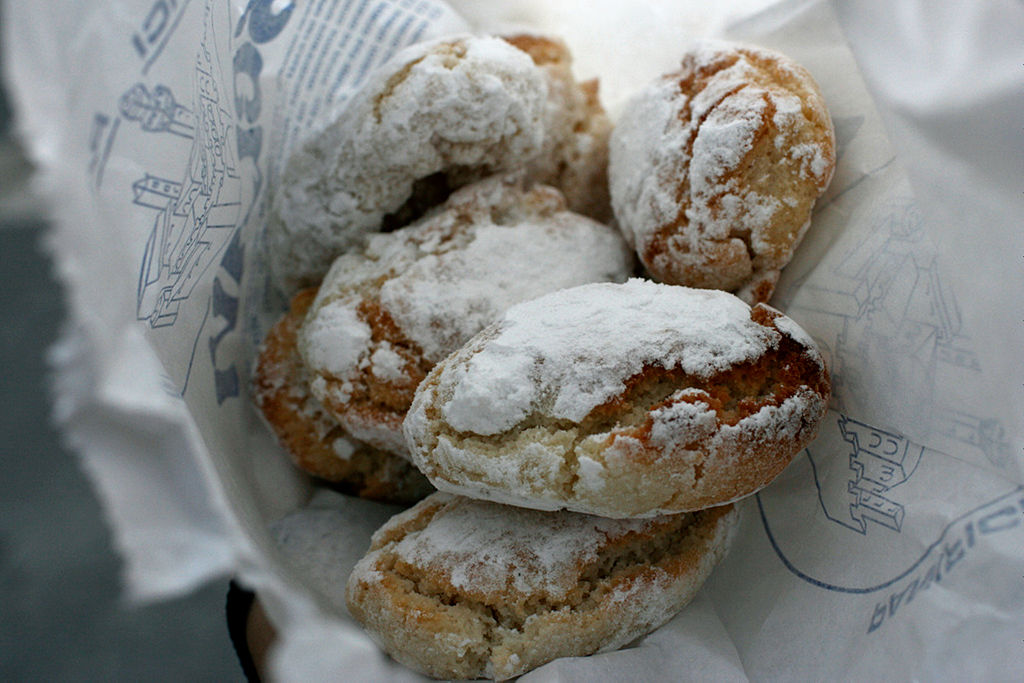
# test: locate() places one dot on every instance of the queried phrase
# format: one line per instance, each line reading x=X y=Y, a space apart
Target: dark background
x=61 y=611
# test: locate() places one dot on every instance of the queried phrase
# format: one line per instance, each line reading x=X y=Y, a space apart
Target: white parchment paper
x=892 y=548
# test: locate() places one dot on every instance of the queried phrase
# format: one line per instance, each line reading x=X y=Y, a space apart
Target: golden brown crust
x=313 y=439
x=377 y=405
x=542 y=49
x=744 y=459
x=734 y=394
x=678 y=436
x=575 y=159
x=413 y=296
x=741 y=197
x=555 y=584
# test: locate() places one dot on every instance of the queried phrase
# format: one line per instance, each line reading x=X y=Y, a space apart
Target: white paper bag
x=891 y=548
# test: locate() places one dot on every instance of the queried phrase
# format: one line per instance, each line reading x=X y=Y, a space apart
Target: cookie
x=621 y=400
x=714 y=169
x=388 y=312
x=575 y=153
x=311 y=437
x=462 y=588
x=446 y=105
x=438 y=116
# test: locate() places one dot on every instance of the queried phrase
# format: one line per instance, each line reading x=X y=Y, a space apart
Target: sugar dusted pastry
x=622 y=400
x=446 y=105
x=715 y=168
x=387 y=313
x=438 y=116
x=575 y=154
x=462 y=588
x=310 y=436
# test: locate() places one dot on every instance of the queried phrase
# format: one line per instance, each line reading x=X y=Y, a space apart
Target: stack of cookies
x=469 y=317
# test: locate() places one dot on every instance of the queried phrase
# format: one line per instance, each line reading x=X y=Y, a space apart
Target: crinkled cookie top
x=577 y=347
x=715 y=168
x=438 y=107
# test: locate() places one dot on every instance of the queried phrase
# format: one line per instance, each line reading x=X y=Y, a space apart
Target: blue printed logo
x=879 y=462
x=853 y=492
x=880 y=502
x=156 y=28
x=264 y=24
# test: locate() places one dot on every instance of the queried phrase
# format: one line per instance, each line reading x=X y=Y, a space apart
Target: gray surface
x=61 y=616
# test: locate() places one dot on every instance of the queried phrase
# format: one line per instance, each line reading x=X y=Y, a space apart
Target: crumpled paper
x=891 y=548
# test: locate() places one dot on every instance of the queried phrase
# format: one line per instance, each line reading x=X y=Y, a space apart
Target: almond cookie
x=441 y=106
x=575 y=154
x=387 y=313
x=714 y=169
x=462 y=588
x=438 y=116
x=313 y=439
x=622 y=400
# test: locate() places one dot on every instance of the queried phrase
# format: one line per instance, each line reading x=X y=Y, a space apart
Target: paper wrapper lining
x=158 y=131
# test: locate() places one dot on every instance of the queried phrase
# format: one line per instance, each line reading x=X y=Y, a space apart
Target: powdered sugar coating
x=572 y=348
x=429 y=287
x=475 y=545
x=457 y=103
x=694 y=418
x=789 y=327
x=575 y=154
x=333 y=336
x=461 y=588
x=312 y=438
x=442 y=300
x=625 y=401
x=714 y=169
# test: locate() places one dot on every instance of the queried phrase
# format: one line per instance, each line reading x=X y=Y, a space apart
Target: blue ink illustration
x=157 y=112
x=197 y=214
x=893 y=334
x=265 y=20
x=101 y=139
x=879 y=461
x=225 y=306
x=891 y=313
x=953 y=542
x=192 y=266
x=984 y=434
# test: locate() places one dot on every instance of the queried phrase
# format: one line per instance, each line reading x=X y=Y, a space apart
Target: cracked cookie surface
x=623 y=400
x=438 y=116
x=461 y=106
x=463 y=588
x=388 y=312
x=715 y=168
x=314 y=440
